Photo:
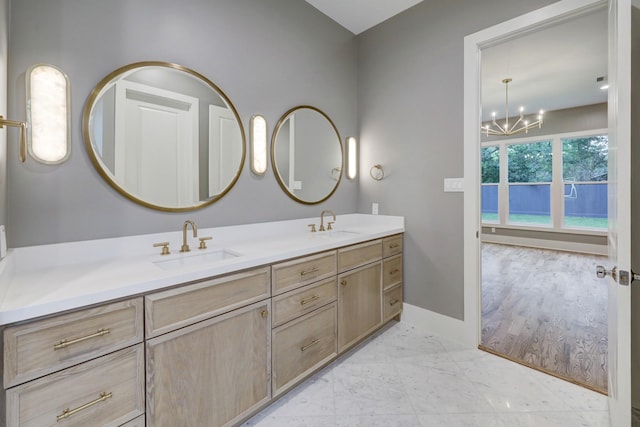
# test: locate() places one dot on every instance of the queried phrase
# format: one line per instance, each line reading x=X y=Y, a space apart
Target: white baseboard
x=436 y=324
x=546 y=244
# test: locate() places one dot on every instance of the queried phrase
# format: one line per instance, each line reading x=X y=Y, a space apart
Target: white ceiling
x=360 y=15
x=552 y=68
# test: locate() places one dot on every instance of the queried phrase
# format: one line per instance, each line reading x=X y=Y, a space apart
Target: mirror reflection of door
x=156 y=144
x=223 y=158
x=544 y=200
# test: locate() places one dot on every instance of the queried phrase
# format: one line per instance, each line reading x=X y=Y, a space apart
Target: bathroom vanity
x=113 y=333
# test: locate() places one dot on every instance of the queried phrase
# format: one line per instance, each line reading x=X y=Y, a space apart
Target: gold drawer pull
x=65 y=343
x=305 y=272
x=69 y=412
x=394 y=302
x=310 y=299
x=264 y=313
x=392 y=272
x=308 y=346
x=343 y=283
x=394 y=246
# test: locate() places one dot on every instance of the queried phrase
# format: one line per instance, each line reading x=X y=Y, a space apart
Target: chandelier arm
x=517 y=123
x=498 y=126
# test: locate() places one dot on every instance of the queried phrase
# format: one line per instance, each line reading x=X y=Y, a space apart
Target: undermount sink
x=337 y=234
x=209 y=257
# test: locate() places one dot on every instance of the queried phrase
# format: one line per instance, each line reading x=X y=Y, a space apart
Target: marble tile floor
x=402 y=377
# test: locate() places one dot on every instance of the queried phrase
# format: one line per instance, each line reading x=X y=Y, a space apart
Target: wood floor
x=546 y=309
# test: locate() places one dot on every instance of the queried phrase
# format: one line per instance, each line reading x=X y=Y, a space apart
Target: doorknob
x=602 y=272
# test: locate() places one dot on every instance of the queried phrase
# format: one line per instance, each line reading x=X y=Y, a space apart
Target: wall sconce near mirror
x=352 y=157
x=258 y=145
x=48 y=118
x=46 y=132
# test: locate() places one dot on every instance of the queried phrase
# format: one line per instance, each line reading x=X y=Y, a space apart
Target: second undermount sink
x=203 y=259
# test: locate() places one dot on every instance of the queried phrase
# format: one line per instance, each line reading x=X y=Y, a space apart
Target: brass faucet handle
x=329 y=227
x=313 y=227
x=203 y=242
x=165 y=247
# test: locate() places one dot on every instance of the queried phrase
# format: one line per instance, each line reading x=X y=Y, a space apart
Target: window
x=490 y=181
x=557 y=183
x=584 y=175
x=530 y=176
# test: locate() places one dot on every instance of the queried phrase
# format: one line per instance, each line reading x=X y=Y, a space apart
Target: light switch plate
x=453 y=185
x=374 y=208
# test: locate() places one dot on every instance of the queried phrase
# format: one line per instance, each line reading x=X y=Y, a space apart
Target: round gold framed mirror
x=307 y=155
x=164 y=136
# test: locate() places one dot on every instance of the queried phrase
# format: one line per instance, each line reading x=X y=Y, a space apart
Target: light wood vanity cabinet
x=210 y=353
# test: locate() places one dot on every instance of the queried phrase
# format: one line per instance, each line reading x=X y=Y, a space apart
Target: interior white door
x=619 y=210
x=156 y=144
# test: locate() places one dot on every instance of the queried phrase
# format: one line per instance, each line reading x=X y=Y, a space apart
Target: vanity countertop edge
x=42 y=280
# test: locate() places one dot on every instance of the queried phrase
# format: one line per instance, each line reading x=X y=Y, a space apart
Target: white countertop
x=41 y=280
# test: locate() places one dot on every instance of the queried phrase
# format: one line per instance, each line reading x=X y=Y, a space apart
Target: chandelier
x=521 y=125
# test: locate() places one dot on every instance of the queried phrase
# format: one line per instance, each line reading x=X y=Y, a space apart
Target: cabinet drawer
x=107 y=391
x=391 y=271
x=175 y=308
x=392 y=245
x=293 y=274
x=301 y=301
x=392 y=302
x=38 y=348
x=303 y=345
x=357 y=255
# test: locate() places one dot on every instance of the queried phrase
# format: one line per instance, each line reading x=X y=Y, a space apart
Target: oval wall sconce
x=258 y=144
x=377 y=172
x=48 y=118
x=352 y=157
x=45 y=135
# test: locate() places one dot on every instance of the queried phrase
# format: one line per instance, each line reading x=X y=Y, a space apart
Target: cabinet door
x=359 y=304
x=212 y=373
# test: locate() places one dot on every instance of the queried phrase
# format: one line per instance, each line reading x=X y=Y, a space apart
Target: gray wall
x=410 y=109
x=267 y=56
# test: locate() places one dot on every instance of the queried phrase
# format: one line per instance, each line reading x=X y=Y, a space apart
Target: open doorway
x=544 y=199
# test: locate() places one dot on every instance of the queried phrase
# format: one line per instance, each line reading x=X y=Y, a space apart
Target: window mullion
x=557 y=185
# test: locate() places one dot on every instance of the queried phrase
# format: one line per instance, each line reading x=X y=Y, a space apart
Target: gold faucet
x=322 y=219
x=185 y=246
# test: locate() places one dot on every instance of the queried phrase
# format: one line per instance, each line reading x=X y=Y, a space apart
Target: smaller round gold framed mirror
x=307 y=155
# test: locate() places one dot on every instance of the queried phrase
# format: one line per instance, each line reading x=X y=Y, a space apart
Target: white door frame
x=619 y=108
